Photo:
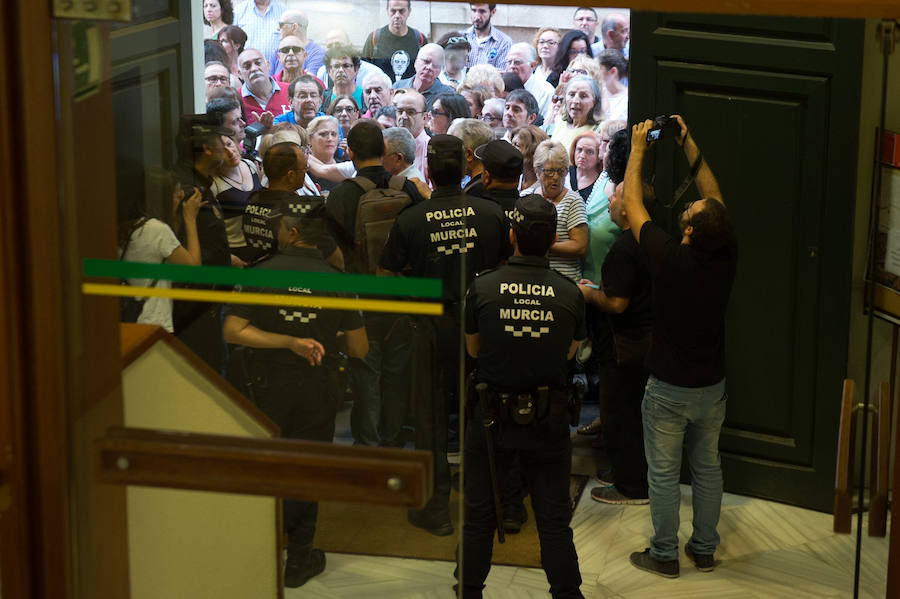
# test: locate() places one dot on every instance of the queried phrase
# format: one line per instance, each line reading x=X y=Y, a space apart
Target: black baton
x=488 y=422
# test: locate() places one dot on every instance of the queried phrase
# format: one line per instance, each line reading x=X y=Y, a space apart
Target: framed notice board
x=886 y=278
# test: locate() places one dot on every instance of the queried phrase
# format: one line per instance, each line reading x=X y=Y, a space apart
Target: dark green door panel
x=774 y=105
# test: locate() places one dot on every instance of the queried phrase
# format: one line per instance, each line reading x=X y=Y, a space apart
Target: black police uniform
x=527 y=317
x=452 y=236
x=199 y=324
x=283 y=384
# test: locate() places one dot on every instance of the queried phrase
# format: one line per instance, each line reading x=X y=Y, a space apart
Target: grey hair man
x=400 y=153
x=473 y=133
x=295 y=22
x=615 y=32
x=377 y=92
x=429 y=63
x=521 y=60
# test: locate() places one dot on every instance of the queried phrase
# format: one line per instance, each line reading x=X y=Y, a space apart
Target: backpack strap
x=366 y=184
x=397 y=182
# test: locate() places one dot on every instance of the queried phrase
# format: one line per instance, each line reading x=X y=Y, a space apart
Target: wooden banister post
x=844 y=472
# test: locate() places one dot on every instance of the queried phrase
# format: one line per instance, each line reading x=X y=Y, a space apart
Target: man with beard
x=489 y=44
x=393 y=46
x=429 y=63
x=261 y=93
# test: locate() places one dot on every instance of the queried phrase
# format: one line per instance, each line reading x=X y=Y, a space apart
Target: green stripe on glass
x=253 y=277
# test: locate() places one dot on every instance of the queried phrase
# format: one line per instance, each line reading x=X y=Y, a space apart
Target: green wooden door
x=774 y=105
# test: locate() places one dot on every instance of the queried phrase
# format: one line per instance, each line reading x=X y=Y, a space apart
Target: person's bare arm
x=239 y=331
x=357 y=342
x=190 y=255
x=705 y=180
x=572 y=349
x=321 y=170
x=598 y=297
x=473 y=343
x=634 y=188
x=577 y=244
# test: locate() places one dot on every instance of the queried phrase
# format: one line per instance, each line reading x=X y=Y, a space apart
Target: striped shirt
x=261 y=29
x=570 y=212
x=490 y=51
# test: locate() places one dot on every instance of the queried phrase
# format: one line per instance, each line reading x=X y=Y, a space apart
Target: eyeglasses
x=290 y=49
x=575 y=51
x=409 y=111
x=457 y=40
x=515 y=62
x=345 y=109
x=217 y=79
x=556 y=99
x=548 y=42
x=345 y=66
x=552 y=172
x=439 y=113
x=571 y=71
x=586 y=20
x=306 y=150
x=283 y=23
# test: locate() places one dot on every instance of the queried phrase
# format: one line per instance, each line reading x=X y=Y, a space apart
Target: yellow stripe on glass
x=267 y=299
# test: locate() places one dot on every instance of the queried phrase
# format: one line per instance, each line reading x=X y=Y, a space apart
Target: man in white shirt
x=260 y=20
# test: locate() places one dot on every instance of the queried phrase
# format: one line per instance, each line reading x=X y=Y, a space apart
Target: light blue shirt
x=261 y=29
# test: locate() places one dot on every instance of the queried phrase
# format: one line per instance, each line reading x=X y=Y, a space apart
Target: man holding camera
x=523 y=323
x=684 y=402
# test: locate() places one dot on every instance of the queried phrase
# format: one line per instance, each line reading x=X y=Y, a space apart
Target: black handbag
x=130 y=307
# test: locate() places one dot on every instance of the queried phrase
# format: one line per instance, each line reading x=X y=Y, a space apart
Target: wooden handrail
x=881 y=456
x=304 y=470
x=843 y=500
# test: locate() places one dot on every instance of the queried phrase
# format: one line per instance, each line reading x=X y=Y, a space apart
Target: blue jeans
x=689 y=418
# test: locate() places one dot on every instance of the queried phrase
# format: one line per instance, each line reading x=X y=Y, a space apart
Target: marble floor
x=768 y=550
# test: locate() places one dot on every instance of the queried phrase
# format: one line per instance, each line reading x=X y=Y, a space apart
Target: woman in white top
x=551 y=161
x=151 y=241
x=546 y=43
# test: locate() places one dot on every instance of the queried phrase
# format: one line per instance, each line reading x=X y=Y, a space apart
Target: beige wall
x=868 y=121
x=190 y=543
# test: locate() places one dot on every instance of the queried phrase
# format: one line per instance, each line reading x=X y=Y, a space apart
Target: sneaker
x=612 y=495
x=435 y=521
x=705 y=562
x=642 y=560
x=513 y=519
x=605 y=477
x=297 y=573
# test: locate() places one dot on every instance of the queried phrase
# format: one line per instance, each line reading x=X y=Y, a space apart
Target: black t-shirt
x=258 y=232
x=527 y=316
x=435 y=238
x=689 y=299
x=316 y=323
x=625 y=274
x=384 y=49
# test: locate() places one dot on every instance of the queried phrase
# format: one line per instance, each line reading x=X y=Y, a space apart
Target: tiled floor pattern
x=768 y=551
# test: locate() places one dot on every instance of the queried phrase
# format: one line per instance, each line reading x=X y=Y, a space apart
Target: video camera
x=251 y=139
x=663 y=127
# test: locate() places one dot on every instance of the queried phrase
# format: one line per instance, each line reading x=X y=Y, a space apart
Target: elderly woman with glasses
x=582 y=110
x=572 y=44
x=551 y=161
x=444 y=109
x=492 y=114
x=346 y=111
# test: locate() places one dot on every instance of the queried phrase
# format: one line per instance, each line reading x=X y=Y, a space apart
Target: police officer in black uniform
x=289 y=368
x=502 y=164
x=451 y=236
x=523 y=322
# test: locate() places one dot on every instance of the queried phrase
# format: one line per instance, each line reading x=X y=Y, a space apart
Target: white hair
x=528 y=49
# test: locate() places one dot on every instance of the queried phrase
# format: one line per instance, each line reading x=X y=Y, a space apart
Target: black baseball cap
x=203 y=125
x=533 y=210
x=446 y=145
x=500 y=158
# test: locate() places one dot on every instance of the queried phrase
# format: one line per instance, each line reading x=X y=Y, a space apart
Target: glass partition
x=208 y=158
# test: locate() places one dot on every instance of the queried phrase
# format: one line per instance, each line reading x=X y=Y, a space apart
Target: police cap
x=202 y=125
x=445 y=145
x=500 y=158
x=533 y=210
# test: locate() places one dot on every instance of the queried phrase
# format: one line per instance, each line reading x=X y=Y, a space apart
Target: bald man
x=429 y=63
x=295 y=22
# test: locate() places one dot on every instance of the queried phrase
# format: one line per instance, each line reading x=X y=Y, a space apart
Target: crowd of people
x=447 y=159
